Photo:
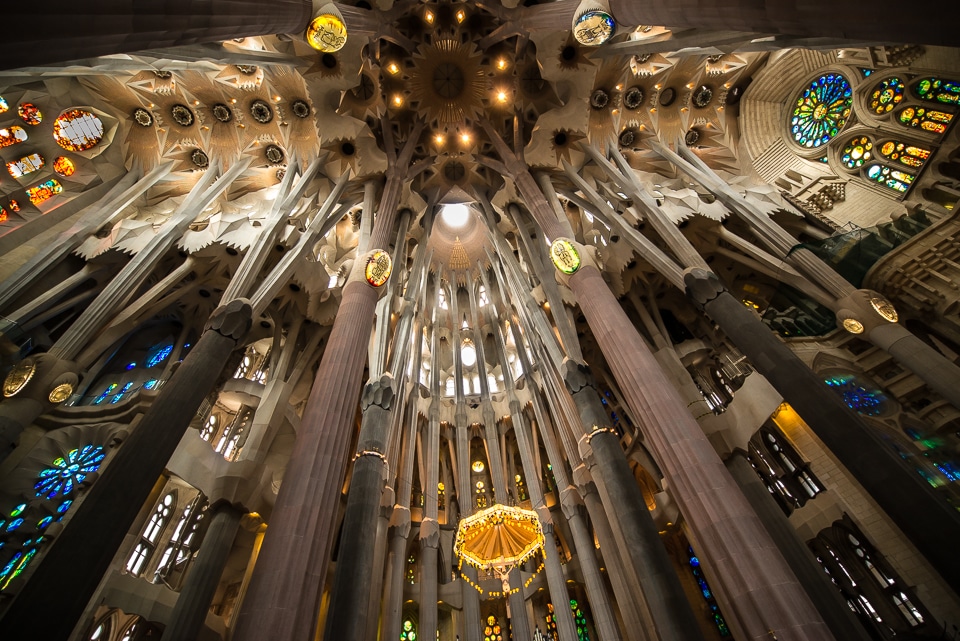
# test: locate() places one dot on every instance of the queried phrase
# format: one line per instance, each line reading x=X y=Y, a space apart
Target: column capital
x=702 y=286
x=429 y=533
x=232 y=320
x=577 y=375
x=400 y=522
x=571 y=503
x=380 y=393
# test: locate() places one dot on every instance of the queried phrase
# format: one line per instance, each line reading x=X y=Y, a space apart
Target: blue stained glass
x=2 y=523
x=63 y=507
x=14 y=572
x=131 y=365
x=44 y=522
x=857 y=397
x=123 y=390
x=186 y=345
x=159 y=356
x=14 y=524
x=8 y=568
x=65 y=474
x=17 y=511
x=150 y=384
x=822 y=110
x=694 y=561
x=106 y=393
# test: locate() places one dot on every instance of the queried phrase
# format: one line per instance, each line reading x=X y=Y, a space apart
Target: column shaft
x=71 y=570
x=750 y=569
x=190 y=612
x=519 y=622
x=825 y=596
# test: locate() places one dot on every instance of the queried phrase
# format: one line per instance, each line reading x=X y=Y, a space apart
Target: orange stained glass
x=44 y=191
x=12 y=136
x=64 y=166
x=77 y=130
x=3 y=215
x=30 y=113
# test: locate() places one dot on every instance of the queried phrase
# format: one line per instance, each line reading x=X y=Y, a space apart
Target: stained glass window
x=26 y=165
x=886 y=95
x=551 y=620
x=4 y=216
x=893 y=179
x=492 y=631
x=150 y=384
x=29 y=113
x=106 y=393
x=4 y=107
x=44 y=191
x=77 y=130
x=926 y=119
x=858 y=151
x=12 y=136
x=856 y=396
x=905 y=153
x=123 y=390
x=159 y=356
x=409 y=632
x=580 y=621
x=938 y=90
x=66 y=473
x=64 y=166
x=707 y=594
x=822 y=110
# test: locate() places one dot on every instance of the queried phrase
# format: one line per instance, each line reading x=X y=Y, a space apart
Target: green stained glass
x=892 y=179
x=858 y=151
x=821 y=110
x=938 y=90
x=886 y=95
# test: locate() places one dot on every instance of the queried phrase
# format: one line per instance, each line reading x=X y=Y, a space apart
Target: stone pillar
x=927 y=520
x=517 y=607
x=122 y=26
x=393 y=584
x=350 y=593
x=806 y=19
x=751 y=572
x=556 y=584
x=824 y=595
x=190 y=612
x=71 y=570
x=472 y=626
x=429 y=544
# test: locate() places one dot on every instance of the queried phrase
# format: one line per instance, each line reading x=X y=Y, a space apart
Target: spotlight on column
x=592 y=23
x=327 y=32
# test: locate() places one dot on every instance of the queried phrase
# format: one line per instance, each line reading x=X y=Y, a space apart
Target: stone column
x=71 y=570
x=393 y=583
x=350 y=593
x=190 y=612
x=519 y=621
x=928 y=520
x=429 y=544
x=121 y=26
x=824 y=595
x=751 y=572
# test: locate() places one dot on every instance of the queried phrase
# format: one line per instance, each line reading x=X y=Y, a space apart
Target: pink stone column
x=744 y=561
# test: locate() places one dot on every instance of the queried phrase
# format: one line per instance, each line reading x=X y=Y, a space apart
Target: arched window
x=408 y=631
x=867 y=582
x=4 y=107
x=786 y=475
x=44 y=191
x=492 y=631
x=892 y=179
x=183 y=543
x=12 y=136
x=26 y=165
x=77 y=130
x=822 y=110
x=151 y=534
x=442 y=299
x=233 y=436
x=101 y=632
x=858 y=151
x=932 y=120
x=938 y=90
x=580 y=620
x=158 y=354
x=130 y=631
x=482 y=298
x=886 y=95
x=64 y=166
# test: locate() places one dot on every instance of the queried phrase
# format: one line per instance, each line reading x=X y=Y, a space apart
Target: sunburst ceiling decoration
x=499 y=538
x=448 y=81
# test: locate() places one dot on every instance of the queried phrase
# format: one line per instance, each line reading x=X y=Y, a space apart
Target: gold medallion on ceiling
x=60 y=393
x=18 y=378
x=378 y=269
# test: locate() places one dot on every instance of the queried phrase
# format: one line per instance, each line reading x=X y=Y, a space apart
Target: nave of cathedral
x=536 y=321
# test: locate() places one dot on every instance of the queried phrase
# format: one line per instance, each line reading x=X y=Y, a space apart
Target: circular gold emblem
x=884 y=307
x=18 y=378
x=594 y=28
x=60 y=393
x=378 y=269
x=853 y=326
x=565 y=256
x=327 y=33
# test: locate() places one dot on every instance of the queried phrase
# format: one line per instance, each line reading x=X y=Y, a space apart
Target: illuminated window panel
x=77 y=130
x=938 y=90
x=886 y=95
x=44 y=191
x=926 y=119
x=904 y=153
x=4 y=107
x=858 y=151
x=12 y=136
x=26 y=165
x=64 y=166
x=822 y=110
x=30 y=113
x=893 y=179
